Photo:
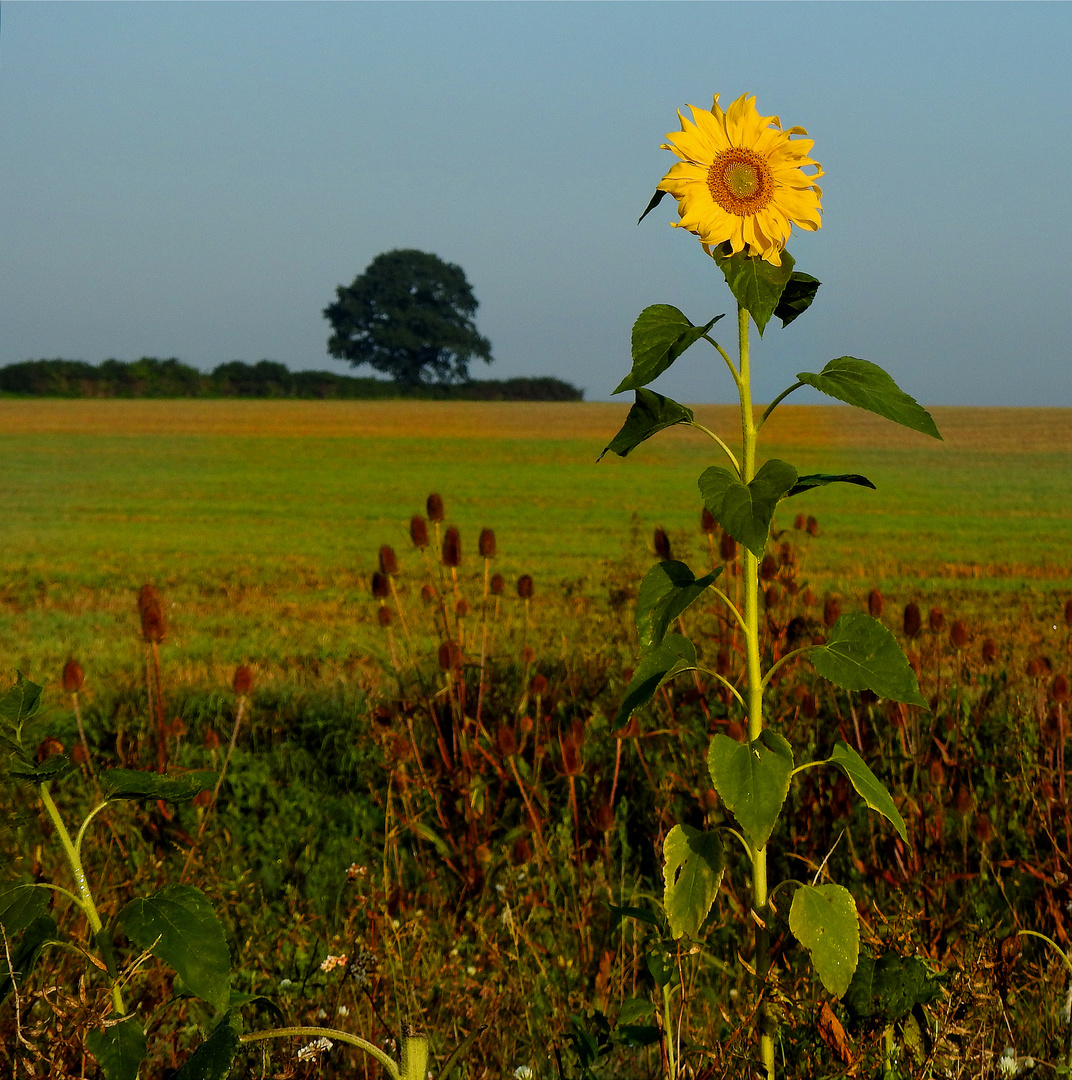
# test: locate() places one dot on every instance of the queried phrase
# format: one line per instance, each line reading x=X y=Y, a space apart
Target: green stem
x=725 y=356
x=785 y=659
x=755 y=689
x=81 y=884
x=668 y=1030
x=777 y=401
x=725 y=449
x=328 y=1033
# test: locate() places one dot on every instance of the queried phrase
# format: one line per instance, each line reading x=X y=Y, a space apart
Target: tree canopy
x=410 y=316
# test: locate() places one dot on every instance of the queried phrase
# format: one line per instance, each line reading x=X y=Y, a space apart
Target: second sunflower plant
x=741 y=186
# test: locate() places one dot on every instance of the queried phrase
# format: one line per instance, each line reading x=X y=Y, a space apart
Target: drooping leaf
x=20 y=906
x=692 y=872
x=668 y=588
x=752 y=779
x=18 y=703
x=675 y=654
x=745 y=511
x=867 y=785
x=867 y=386
x=634 y=1009
x=799 y=292
x=54 y=767
x=660 y=335
x=823 y=919
x=213 y=1059
x=25 y=952
x=650 y=414
x=119 y=1049
x=814 y=480
x=890 y=987
x=179 y=927
x=861 y=654
x=135 y=784
x=655 y=200
x=620 y=914
x=661 y=966
x=755 y=283
x=635 y=1035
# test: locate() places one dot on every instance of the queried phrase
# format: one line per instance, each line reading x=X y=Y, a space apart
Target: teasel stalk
x=153 y=631
x=486 y=546
x=73 y=680
x=389 y=567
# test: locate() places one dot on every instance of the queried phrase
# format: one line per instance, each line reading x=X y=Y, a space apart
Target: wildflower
x=740 y=179
x=355 y=870
x=524 y=1072
x=317 y=1046
x=330 y=963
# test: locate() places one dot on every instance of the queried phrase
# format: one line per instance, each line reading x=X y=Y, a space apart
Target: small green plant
x=740 y=185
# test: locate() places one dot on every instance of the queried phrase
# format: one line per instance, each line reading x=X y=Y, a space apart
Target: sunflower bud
x=73 y=677
x=486 y=544
x=388 y=562
x=452 y=548
x=434 y=506
x=418 y=531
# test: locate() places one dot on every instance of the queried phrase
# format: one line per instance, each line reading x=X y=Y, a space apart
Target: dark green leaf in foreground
x=752 y=779
x=755 y=283
x=17 y=704
x=24 y=954
x=692 y=872
x=213 y=1059
x=867 y=386
x=861 y=654
x=655 y=200
x=650 y=414
x=54 y=767
x=668 y=588
x=620 y=914
x=179 y=927
x=867 y=785
x=823 y=919
x=814 y=480
x=797 y=297
x=660 y=335
x=890 y=987
x=675 y=654
x=119 y=1048
x=745 y=511
x=20 y=906
x=135 y=784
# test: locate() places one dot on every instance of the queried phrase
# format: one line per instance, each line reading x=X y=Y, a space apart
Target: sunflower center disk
x=740 y=181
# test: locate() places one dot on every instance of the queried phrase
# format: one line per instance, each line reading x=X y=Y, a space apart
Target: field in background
x=260 y=521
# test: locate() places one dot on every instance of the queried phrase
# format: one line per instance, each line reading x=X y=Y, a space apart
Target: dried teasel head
x=772 y=596
x=990 y=651
x=603 y=816
x=798 y=522
x=1038 y=667
x=418 y=531
x=381 y=585
x=875 y=604
x=497 y=584
x=935 y=619
x=525 y=587
x=212 y=740
x=461 y=608
x=383 y=614
x=450 y=656
x=73 y=676
x=572 y=763
x=242 y=683
x=1059 y=689
x=147 y=596
x=486 y=543
x=811 y=526
x=538 y=686
x=958 y=634
x=153 y=626
x=913 y=622
x=768 y=568
x=434 y=507
x=427 y=593
x=831 y=611
x=727 y=547
x=506 y=741
x=388 y=562
x=662 y=544
x=707 y=522
x=452 y=547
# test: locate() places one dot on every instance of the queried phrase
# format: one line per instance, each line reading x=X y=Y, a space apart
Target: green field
x=260 y=521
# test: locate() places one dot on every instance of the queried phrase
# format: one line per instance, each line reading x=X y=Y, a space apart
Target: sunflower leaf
x=692 y=872
x=650 y=414
x=814 y=480
x=867 y=785
x=119 y=1048
x=655 y=200
x=752 y=779
x=660 y=335
x=668 y=588
x=755 y=283
x=867 y=386
x=675 y=654
x=823 y=919
x=797 y=297
x=745 y=511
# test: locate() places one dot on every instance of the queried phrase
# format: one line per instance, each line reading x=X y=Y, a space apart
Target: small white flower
x=453 y=952
x=331 y=962
x=524 y=1072
x=317 y=1046
x=500 y=888
x=285 y=984
x=321 y=1014
x=342 y=1010
x=470 y=970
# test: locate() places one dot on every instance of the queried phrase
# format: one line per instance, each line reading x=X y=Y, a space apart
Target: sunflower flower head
x=740 y=179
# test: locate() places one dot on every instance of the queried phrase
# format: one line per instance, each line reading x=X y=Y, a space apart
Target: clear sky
x=194 y=179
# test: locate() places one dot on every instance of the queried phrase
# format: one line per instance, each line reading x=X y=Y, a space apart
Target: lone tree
x=409 y=315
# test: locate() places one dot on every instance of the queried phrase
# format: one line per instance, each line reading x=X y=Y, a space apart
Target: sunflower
x=740 y=179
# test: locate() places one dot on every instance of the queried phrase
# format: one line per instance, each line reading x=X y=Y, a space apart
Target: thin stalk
x=777 y=401
x=725 y=449
x=327 y=1033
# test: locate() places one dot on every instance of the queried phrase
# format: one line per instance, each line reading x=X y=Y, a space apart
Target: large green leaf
x=24 y=954
x=692 y=872
x=54 y=767
x=179 y=926
x=119 y=1049
x=752 y=779
x=745 y=511
x=814 y=480
x=20 y=906
x=135 y=784
x=755 y=283
x=673 y=655
x=18 y=703
x=213 y=1059
x=867 y=386
x=797 y=297
x=890 y=987
x=660 y=335
x=867 y=785
x=650 y=414
x=823 y=919
x=861 y=654
x=668 y=588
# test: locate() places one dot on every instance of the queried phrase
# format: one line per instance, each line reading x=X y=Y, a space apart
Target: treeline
x=153 y=378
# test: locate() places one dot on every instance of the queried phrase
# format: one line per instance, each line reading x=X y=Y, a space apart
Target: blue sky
x=194 y=180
